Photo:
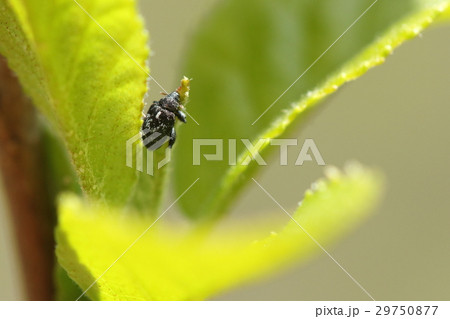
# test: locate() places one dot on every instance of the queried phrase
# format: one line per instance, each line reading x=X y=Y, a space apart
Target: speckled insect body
x=159 y=121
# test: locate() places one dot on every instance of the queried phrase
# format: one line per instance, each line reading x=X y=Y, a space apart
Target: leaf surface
x=82 y=81
x=170 y=262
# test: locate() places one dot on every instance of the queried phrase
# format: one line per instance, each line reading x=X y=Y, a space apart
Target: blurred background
x=394 y=118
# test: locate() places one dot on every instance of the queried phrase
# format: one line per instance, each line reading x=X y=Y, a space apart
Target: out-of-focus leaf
x=172 y=263
x=248 y=52
x=66 y=288
x=88 y=88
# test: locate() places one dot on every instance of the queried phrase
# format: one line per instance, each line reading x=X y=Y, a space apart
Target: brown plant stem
x=22 y=169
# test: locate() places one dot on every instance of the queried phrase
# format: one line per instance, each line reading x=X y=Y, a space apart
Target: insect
x=159 y=121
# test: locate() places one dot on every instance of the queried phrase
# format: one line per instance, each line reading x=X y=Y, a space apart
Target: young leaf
x=84 y=83
x=167 y=263
x=249 y=52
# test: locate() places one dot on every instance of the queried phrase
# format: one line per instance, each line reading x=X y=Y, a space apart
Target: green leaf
x=89 y=89
x=248 y=52
x=172 y=262
x=66 y=288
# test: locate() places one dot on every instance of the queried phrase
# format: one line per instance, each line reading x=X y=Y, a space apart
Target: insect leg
x=181 y=116
x=173 y=137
